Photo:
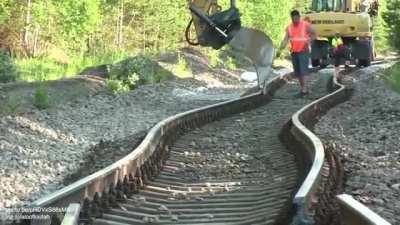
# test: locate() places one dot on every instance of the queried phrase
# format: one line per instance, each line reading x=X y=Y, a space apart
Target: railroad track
x=232 y=171
x=230 y=163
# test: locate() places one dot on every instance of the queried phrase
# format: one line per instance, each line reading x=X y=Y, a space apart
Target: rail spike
x=85 y=216
x=112 y=196
x=126 y=186
x=104 y=201
x=95 y=209
x=121 y=197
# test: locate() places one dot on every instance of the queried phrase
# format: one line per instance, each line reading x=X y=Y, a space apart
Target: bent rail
x=311 y=153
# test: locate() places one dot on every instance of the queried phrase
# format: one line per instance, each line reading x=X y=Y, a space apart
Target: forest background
x=52 y=39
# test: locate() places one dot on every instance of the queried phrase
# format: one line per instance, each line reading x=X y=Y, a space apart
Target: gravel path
x=366 y=132
x=39 y=149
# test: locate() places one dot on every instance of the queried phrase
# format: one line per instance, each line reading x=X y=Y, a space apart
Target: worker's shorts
x=340 y=54
x=300 y=61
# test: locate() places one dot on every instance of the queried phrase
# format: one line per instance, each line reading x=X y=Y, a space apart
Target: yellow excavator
x=350 y=20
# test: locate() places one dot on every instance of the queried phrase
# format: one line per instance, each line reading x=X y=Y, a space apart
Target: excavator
x=351 y=20
x=216 y=28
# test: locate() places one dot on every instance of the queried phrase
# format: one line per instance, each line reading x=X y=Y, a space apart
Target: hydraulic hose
x=187 y=34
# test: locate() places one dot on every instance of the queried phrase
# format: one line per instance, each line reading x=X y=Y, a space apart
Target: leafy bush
x=41 y=98
x=214 y=58
x=8 y=71
x=117 y=86
x=139 y=67
x=135 y=71
x=182 y=67
x=230 y=64
x=392 y=76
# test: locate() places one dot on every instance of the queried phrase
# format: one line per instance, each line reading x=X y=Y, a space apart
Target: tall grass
x=41 y=98
x=40 y=69
x=182 y=69
x=393 y=76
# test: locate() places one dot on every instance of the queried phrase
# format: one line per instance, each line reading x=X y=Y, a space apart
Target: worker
x=340 y=51
x=300 y=34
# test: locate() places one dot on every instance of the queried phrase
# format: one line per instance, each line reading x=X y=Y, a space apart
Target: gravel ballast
x=40 y=149
x=366 y=132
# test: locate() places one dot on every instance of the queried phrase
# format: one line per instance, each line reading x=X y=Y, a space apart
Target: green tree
x=392 y=18
x=303 y=5
x=269 y=16
x=77 y=20
x=380 y=30
x=75 y=30
x=5 y=6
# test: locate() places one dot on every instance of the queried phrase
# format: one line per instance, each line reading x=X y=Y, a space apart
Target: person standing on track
x=300 y=34
x=339 y=52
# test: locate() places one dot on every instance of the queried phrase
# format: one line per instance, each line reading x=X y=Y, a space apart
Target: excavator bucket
x=214 y=30
x=258 y=47
x=217 y=28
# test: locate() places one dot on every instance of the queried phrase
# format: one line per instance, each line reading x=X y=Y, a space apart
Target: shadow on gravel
x=104 y=154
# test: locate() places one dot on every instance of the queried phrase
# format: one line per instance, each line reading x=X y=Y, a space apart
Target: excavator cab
x=327 y=5
x=214 y=27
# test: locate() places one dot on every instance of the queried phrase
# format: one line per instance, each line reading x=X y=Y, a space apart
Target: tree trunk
x=36 y=41
x=116 y=29
x=144 y=35
x=27 y=26
x=121 y=26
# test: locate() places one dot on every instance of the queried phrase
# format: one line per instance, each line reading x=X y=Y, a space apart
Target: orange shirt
x=299 y=36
